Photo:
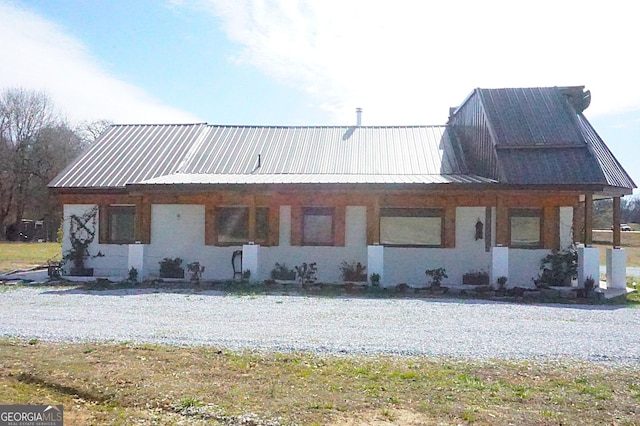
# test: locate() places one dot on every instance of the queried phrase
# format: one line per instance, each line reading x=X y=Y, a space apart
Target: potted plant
x=195 y=271
x=436 y=276
x=375 y=279
x=171 y=268
x=283 y=273
x=475 y=278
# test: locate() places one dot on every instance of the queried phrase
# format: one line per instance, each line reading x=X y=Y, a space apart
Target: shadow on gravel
x=342 y=291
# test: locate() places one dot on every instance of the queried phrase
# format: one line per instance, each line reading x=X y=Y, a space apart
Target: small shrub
x=195 y=271
x=375 y=279
x=436 y=276
x=171 y=268
x=246 y=274
x=282 y=272
x=353 y=271
x=502 y=282
x=558 y=268
x=133 y=275
x=307 y=273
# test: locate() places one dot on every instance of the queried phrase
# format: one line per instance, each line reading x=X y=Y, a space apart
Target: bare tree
x=88 y=131
x=23 y=116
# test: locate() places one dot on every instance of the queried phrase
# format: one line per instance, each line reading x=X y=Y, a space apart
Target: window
x=233 y=224
x=411 y=227
x=526 y=228
x=120 y=224
x=318 y=226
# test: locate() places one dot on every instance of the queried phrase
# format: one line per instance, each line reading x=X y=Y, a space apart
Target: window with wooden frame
x=118 y=224
x=525 y=226
x=411 y=227
x=233 y=225
x=318 y=226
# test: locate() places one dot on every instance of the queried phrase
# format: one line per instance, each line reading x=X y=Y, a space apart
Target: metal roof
x=528 y=136
x=539 y=116
x=164 y=154
x=613 y=172
x=296 y=178
x=539 y=136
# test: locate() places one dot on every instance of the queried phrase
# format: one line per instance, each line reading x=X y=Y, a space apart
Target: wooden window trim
x=438 y=212
x=319 y=211
x=212 y=213
x=105 y=212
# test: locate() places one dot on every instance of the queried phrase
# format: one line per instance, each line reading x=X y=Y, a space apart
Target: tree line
x=36 y=143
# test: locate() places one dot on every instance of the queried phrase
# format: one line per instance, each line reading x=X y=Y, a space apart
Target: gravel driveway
x=435 y=327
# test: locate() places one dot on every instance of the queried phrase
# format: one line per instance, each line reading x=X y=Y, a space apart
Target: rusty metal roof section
x=199 y=153
x=535 y=136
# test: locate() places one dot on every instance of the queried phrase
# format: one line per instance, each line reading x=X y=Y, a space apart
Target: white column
x=250 y=254
x=616 y=268
x=136 y=259
x=588 y=265
x=499 y=264
x=375 y=262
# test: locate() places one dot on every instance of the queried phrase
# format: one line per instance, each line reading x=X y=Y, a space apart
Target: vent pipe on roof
x=359 y=116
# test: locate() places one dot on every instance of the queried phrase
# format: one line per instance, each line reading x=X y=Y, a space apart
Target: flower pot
x=81 y=272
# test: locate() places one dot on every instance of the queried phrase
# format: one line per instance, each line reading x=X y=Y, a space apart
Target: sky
x=296 y=62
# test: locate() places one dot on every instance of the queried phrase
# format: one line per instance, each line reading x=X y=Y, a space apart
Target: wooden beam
x=616 y=221
x=588 y=219
x=502 y=223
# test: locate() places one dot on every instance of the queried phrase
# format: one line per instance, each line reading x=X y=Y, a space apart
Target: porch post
x=375 y=261
x=616 y=222
x=136 y=259
x=588 y=220
x=499 y=264
x=616 y=268
x=588 y=265
x=250 y=254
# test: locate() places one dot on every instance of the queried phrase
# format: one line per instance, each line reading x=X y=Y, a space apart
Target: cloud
x=408 y=61
x=39 y=55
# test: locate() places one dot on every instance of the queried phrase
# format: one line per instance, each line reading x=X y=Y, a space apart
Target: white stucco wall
x=408 y=265
x=566 y=227
x=107 y=260
x=177 y=230
x=524 y=266
x=328 y=259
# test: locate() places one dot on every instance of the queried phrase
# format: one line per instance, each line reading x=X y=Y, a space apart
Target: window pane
x=411 y=230
x=317 y=227
x=525 y=231
x=122 y=224
x=233 y=224
x=262 y=224
x=526 y=225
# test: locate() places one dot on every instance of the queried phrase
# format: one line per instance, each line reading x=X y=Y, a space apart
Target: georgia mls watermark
x=31 y=415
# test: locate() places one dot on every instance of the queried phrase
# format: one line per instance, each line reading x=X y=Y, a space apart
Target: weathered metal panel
x=613 y=171
x=530 y=116
x=472 y=129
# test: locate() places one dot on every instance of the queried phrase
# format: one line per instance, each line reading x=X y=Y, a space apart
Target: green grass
x=630 y=241
x=25 y=255
x=136 y=384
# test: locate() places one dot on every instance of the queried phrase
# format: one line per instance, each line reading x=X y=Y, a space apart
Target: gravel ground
x=340 y=325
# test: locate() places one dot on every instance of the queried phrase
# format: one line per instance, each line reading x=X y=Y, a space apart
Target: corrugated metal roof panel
x=530 y=116
x=613 y=171
x=318 y=178
x=544 y=166
x=129 y=153
x=133 y=154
